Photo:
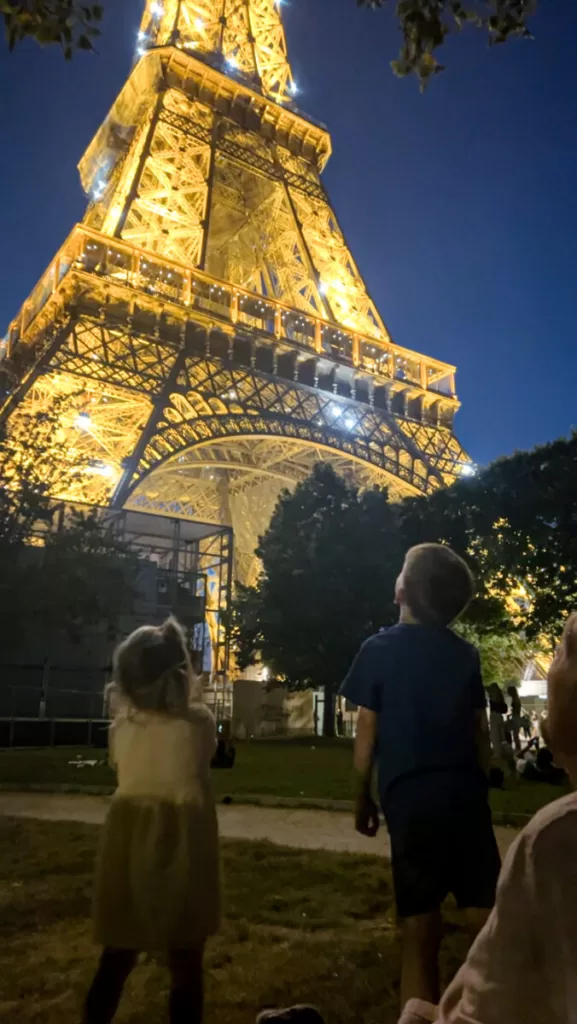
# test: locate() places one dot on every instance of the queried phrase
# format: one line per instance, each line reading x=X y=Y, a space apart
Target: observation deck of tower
x=204 y=332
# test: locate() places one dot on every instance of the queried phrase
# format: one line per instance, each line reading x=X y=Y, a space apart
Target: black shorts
x=445 y=851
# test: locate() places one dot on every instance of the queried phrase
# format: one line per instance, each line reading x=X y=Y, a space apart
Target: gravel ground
x=301 y=829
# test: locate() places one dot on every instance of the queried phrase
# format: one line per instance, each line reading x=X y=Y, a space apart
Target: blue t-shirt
x=425 y=684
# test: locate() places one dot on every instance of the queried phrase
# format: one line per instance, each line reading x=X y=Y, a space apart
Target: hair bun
x=173 y=639
x=172 y=630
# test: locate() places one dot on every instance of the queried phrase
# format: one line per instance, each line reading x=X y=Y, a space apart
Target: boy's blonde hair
x=153 y=672
x=438 y=585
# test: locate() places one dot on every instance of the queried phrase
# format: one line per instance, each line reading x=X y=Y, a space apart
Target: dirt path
x=303 y=829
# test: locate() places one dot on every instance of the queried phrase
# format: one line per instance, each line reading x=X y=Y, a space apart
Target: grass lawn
x=280 y=768
x=284 y=768
x=298 y=927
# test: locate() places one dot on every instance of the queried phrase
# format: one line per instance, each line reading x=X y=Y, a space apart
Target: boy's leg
x=422 y=936
x=106 y=990
x=477 y=864
x=186 y=989
x=421 y=883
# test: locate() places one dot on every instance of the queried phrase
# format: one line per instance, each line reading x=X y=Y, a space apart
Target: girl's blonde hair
x=153 y=672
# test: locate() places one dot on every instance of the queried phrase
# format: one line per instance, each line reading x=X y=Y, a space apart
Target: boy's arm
x=366 y=811
x=362 y=687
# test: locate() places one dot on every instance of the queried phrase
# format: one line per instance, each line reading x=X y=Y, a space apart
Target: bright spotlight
x=232 y=62
x=83 y=421
x=199 y=24
x=99 y=189
x=157 y=10
x=98 y=468
x=467 y=469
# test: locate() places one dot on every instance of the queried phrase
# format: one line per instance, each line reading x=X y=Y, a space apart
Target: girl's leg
x=186 y=986
x=106 y=989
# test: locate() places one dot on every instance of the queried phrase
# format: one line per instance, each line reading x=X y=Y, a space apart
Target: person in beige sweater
x=523 y=965
x=157 y=878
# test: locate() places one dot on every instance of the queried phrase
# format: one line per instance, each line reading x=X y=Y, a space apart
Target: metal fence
x=50 y=705
x=53 y=732
x=52 y=691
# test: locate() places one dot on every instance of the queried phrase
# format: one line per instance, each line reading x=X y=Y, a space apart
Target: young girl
x=157 y=878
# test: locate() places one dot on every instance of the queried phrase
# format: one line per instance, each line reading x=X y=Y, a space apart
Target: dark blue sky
x=459 y=205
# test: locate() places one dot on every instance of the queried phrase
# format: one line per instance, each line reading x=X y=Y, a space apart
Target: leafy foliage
x=331 y=556
x=425 y=24
x=85 y=577
x=33 y=465
x=330 y=559
x=503 y=651
x=517 y=522
x=52 y=580
x=68 y=23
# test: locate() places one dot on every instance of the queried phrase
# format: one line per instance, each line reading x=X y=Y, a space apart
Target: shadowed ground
x=299 y=926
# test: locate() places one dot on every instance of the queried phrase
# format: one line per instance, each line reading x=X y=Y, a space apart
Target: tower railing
x=89 y=252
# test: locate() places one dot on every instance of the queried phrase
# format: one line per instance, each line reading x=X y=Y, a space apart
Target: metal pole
x=44 y=689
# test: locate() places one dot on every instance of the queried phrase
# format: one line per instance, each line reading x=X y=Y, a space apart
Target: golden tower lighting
x=205 y=331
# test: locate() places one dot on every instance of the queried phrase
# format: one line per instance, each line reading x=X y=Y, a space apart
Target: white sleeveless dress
x=157 y=878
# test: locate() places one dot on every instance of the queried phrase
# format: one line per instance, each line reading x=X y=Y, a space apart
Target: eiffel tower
x=204 y=332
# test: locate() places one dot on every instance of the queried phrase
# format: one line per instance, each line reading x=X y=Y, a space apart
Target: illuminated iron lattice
x=205 y=330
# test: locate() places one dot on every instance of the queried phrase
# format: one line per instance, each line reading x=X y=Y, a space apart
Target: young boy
x=522 y=966
x=422 y=711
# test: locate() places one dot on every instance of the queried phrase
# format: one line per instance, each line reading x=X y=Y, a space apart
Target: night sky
x=459 y=205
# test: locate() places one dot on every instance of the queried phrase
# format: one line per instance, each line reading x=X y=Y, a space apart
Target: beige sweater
x=523 y=966
x=163 y=757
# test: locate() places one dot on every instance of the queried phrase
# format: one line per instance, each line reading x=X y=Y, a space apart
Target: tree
x=32 y=459
x=34 y=464
x=53 y=580
x=85 y=577
x=517 y=522
x=330 y=559
x=331 y=556
x=504 y=652
x=69 y=23
x=425 y=24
